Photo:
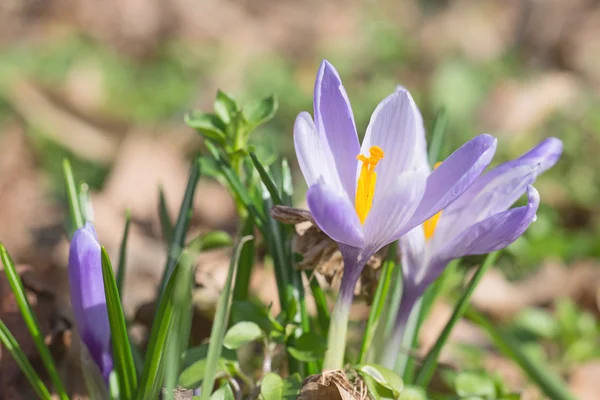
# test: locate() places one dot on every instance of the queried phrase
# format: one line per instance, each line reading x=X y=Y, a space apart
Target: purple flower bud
x=88 y=299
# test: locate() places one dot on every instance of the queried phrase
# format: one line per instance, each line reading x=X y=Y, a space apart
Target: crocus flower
x=478 y=222
x=87 y=297
x=365 y=197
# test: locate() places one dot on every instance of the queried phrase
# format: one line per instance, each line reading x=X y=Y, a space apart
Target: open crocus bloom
x=365 y=197
x=88 y=299
x=478 y=222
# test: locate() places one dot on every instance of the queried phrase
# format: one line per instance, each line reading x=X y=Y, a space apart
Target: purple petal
x=496 y=190
x=315 y=160
x=412 y=249
x=397 y=127
x=87 y=297
x=537 y=160
x=454 y=176
x=335 y=123
x=335 y=215
x=491 y=234
x=393 y=207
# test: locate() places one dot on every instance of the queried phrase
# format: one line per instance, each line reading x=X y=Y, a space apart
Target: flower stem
x=395 y=355
x=336 y=339
x=338 y=326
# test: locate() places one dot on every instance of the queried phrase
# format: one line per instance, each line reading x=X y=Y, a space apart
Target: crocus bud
x=88 y=299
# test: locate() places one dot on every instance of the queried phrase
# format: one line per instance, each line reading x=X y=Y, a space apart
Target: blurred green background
x=520 y=70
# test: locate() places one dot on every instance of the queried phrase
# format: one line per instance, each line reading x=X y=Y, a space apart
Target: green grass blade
x=30 y=320
x=437 y=137
x=240 y=193
x=182 y=224
x=182 y=316
x=11 y=344
x=85 y=202
x=72 y=197
x=220 y=324
x=123 y=359
x=551 y=384
x=154 y=365
x=385 y=281
x=390 y=309
x=430 y=363
x=244 y=272
x=423 y=308
x=123 y=254
x=266 y=180
x=166 y=225
x=323 y=315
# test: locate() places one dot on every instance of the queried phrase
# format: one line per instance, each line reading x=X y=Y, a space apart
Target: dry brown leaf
x=332 y=385
x=516 y=107
x=503 y=299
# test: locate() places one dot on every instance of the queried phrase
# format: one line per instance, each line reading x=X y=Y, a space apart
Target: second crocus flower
x=479 y=222
x=88 y=299
x=367 y=196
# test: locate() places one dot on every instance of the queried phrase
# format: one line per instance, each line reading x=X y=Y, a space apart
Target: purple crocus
x=365 y=197
x=478 y=222
x=87 y=297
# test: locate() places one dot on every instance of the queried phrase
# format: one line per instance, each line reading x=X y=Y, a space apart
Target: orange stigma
x=365 y=189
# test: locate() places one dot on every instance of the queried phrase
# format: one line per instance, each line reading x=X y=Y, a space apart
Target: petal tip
x=533 y=197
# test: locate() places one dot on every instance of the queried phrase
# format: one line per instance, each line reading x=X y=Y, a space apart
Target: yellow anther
x=365 y=189
x=430 y=225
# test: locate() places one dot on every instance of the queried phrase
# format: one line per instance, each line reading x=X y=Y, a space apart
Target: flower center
x=430 y=225
x=366 y=182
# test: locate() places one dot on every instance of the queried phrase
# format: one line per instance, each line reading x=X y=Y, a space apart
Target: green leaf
x=384 y=376
x=220 y=322
x=122 y=357
x=261 y=111
x=257 y=313
x=209 y=125
x=223 y=393
x=308 y=347
x=537 y=322
x=123 y=253
x=182 y=224
x=271 y=387
x=413 y=393
x=242 y=333
x=471 y=384
x=210 y=241
x=226 y=107
x=198 y=353
x=31 y=321
x=376 y=390
x=193 y=375
x=291 y=386
x=72 y=197
x=152 y=375
x=11 y=344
